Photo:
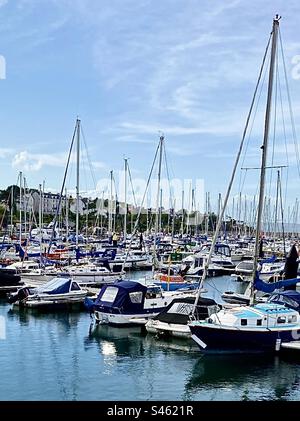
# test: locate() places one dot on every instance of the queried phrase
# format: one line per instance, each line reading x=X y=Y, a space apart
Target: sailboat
x=260 y=327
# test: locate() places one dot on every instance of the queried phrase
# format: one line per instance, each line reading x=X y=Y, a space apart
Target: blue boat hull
x=174 y=286
x=227 y=340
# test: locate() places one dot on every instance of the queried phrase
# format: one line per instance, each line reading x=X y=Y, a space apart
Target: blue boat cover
x=269 y=260
x=22 y=252
x=270 y=287
x=293 y=295
x=122 y=298
x=110 y=254
x=56 y=286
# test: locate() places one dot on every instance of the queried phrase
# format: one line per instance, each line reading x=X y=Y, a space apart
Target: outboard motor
x=20 y=295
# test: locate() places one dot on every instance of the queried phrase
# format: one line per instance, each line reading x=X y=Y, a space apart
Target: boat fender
x=278 y=344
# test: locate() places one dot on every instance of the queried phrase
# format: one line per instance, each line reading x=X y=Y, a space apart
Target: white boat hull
x=160 y=328
x=120 y=319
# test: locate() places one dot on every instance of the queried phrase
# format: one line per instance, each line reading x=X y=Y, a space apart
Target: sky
x=131 y=70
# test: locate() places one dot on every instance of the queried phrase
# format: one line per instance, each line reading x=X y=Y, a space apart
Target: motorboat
x=128 y=302
x=10 y=280
x=173 y=320
x=59 y=292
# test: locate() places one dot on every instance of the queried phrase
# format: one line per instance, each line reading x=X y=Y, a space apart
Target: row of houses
x=50 y=202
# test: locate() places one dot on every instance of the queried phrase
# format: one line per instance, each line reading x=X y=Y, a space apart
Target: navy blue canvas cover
x=122 y=299
x=271 y=286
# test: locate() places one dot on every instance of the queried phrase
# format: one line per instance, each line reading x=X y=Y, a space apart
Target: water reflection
x=61 y=356
x=123 y=341
x=243 y=377
x=25 y=316
x=134 y=341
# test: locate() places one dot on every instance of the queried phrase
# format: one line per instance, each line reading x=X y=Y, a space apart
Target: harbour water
x=62 y=356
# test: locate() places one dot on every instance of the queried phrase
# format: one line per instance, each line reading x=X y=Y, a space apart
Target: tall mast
x=207 y=261
x=101 y=215
x=182 y=216
x=173 y=219
x=240 y=212
x=11 y=209
x=77 y=180
x=43 y=193
x=160 y=211
x=206 y=214
x=25 y=207
x=232 y=216
x=40 y=217
x=110 y=205
x=189 y=211
x=125 y=199
x=67 y=214
x=264 y=149
x=161 y=142
x=87 y=217
x=20 y=209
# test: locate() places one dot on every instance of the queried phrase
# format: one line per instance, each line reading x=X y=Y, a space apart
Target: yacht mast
x=182 y=216
x=125 y=199
x=214 y=240
x=25 y=207
x=11 y=210
x=40 y=217
x=110 y=205
x=264 y=150
x=67 y=213
x=77 y=181
x=161 y=141
x=20 y=207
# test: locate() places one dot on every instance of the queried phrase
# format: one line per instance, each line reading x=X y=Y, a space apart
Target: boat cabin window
x=224 y=250
x=109 y=294
x=244 y=322
x=136 y=297
x=258 y=322
x=75 y=286
x=153 y=292
x=198 y=262
x=181 y=308
x=281 y=319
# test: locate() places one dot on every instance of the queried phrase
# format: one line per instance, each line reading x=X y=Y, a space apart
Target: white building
x=31 y=202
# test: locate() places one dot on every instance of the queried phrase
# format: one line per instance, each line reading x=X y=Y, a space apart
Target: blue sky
x=130 y=69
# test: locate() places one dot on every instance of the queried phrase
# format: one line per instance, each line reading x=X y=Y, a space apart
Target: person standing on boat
x=141 y=241
x=115 y=239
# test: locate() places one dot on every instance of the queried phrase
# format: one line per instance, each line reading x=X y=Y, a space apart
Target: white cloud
x=181 y=130
x=134 y=139
x=27 y=161
x=98 y=165
x=5 y=152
